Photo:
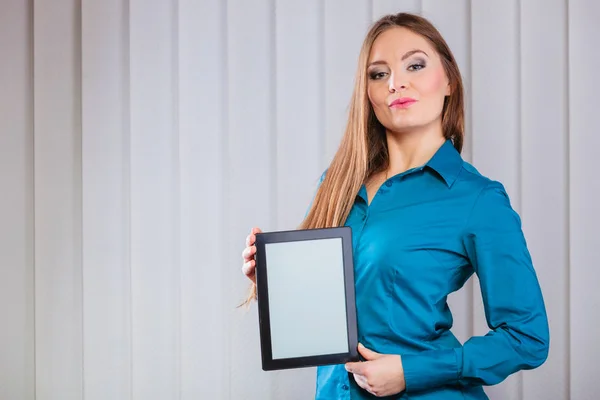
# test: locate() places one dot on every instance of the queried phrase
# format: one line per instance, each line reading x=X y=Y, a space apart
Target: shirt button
x=388 y=183
x=345 y=387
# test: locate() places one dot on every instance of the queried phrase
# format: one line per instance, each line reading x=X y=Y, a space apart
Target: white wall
x=140 y=141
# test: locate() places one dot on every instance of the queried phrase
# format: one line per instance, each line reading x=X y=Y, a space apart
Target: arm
x=515 y=312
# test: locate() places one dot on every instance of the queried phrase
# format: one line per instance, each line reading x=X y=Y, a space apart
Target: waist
x=394 y=342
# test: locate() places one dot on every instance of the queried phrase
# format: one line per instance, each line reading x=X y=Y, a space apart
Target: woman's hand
x=380 y=375
x=249 y=266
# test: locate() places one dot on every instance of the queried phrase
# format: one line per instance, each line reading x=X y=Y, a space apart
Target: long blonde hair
x=363 y=149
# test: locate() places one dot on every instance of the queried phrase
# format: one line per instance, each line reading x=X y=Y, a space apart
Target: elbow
x=535 y=342
x=536 y=352
x=540 y=354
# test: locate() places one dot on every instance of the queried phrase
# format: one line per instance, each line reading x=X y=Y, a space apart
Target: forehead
x=395 y=42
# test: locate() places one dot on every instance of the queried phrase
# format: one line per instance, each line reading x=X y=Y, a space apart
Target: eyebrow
x=404 y=57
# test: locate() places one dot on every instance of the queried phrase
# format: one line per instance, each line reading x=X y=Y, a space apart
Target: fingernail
x=360 y=345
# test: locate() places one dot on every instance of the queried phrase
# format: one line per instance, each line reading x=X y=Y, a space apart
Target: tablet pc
x=306 y=301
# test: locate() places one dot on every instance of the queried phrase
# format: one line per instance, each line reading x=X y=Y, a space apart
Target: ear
x=448 y=89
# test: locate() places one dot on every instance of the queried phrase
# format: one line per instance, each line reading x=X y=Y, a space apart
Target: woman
x=423 y=220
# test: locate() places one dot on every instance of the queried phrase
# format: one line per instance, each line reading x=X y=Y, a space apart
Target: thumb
x=368 y=354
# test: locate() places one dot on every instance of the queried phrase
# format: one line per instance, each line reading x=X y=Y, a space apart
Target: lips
x=403 y=102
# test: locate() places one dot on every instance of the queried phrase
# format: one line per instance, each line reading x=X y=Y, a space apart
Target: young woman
x=423 y=220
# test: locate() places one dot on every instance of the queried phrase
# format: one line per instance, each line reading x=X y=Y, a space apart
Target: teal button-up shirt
x=423 y=235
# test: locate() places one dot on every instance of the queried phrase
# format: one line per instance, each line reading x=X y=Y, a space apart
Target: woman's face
x=407 y=82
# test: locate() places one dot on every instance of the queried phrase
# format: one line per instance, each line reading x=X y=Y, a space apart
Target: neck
x=412 y=149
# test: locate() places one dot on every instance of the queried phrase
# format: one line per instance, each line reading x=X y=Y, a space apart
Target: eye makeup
x=377 y=74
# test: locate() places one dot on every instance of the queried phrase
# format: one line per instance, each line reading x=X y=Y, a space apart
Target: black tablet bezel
x=343 y=233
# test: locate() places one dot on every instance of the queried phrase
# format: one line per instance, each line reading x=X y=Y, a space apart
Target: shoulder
x=482 y=187
x=490 y=202
x=474 y=180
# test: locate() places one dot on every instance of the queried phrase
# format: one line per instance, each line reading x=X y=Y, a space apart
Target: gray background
x=141 y=140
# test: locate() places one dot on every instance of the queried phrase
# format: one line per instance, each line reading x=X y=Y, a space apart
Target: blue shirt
x=423 y=235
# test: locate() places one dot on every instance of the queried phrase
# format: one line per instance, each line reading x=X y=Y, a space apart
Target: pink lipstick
x=403 y=102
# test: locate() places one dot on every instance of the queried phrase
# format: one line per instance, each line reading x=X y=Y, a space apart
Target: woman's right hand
x=249 y=266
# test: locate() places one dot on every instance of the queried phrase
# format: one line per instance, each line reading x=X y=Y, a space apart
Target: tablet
x=306 y=302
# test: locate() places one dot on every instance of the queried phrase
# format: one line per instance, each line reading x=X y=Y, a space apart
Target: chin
x=409 y=123
x=401 y=127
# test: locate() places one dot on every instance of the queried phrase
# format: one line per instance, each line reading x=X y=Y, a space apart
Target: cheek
x=434 y=84
x=372 y=93
x=377 y=96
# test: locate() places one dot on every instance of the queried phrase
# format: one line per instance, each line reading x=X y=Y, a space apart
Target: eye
x=416 y=67
x=377 y=75
x=417 y=64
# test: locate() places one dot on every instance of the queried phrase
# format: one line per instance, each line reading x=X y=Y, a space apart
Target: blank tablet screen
x=307 y=303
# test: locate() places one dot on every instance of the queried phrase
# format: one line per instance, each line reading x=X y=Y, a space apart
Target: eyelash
x=376 y=75
x=420 y=65
x=412 y=67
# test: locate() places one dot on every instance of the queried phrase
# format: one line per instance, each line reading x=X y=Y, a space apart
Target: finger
x=251 y=238
x=356 y=367
x=248 y=253
x=368 y=354
x=249 y=268
x=363 y=383
x=360 y=380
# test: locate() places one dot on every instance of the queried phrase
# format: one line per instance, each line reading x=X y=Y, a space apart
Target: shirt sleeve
x=514 y=307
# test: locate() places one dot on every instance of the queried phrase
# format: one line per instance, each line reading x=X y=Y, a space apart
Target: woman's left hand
x=380 y=375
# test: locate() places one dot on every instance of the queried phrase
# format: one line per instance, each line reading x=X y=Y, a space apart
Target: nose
x=397 y=83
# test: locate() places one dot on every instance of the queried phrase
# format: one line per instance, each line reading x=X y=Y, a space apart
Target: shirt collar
x=447 y=162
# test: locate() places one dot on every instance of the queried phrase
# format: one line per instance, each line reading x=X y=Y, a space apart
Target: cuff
x=431 y=369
